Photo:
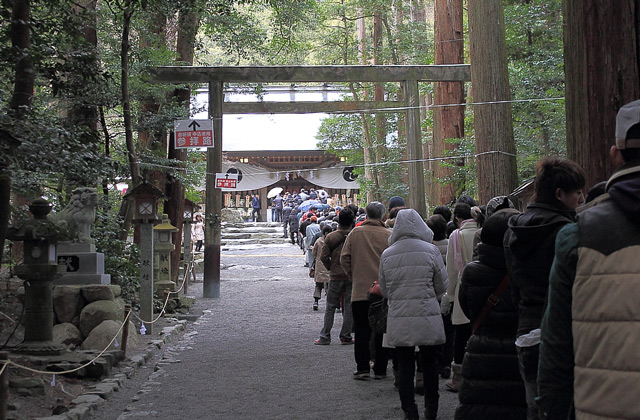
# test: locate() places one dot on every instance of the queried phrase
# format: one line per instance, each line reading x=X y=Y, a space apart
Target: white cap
x=628 y=116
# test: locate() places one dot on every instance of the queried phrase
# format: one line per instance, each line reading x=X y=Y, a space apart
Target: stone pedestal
x=38 y=311
x=81 y=264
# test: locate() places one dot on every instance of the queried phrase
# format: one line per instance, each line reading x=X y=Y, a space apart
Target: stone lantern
x=39 y=269
x=190 y=209
x=162 y=249
x=145 y=198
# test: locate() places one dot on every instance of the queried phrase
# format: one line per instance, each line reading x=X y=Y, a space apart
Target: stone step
x=253 y=230
x=249 y=235
x=264 y=241
x=252 y=224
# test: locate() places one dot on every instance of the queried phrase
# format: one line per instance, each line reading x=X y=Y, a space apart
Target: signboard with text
x=226 y=180
x=193 y=133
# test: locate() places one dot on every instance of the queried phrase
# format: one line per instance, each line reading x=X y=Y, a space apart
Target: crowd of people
x=528 y=314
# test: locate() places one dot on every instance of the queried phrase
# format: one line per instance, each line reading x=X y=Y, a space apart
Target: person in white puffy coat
x=413 y=278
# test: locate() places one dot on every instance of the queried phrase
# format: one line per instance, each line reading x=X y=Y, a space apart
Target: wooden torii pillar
x=409 y=75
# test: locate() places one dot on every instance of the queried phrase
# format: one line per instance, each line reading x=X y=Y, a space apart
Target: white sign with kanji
x=226 y=180
x=193 y=133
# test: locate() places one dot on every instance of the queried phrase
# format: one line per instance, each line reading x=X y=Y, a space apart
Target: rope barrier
x=406 y=108
x=359 y=165
x=45 y=372
x=126 y=319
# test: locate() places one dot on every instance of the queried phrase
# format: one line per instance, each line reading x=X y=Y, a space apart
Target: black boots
x=431 y=411
x=411 y=413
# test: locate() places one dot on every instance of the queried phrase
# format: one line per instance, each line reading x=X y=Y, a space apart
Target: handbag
x=377 y=315
x=312 y=270
x=374 y=289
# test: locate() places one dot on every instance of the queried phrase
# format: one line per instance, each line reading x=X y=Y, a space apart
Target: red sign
x=193 y=133
x=226 y=183
x=226 y=180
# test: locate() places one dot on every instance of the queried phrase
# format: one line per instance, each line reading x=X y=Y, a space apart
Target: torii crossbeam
x=409 y=76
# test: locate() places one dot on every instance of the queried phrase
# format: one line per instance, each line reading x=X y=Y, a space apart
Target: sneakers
x=315 y=306
x=361 y=375
x=321 y=342
x=344 y=340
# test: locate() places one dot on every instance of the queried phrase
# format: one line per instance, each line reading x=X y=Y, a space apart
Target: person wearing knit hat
x=491 y=347
x=396 y=202
x=498 y=203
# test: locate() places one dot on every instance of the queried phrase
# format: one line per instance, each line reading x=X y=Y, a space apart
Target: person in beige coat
x=321 y=274
x=360 y=259
x=459 y=253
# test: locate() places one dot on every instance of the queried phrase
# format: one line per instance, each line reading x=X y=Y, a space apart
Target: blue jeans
x=334 y=292
x=528 y=363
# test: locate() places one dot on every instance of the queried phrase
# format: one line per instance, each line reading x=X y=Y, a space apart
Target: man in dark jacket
x=339 y=283
x=277 y=204
x=360 y=259
x=286 y=212
x=256 y=207
x=589 y=363
x=293 y=224
x=529 y=249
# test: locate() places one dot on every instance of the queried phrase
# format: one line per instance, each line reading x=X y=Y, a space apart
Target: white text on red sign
x=226 y=183
x=194 y=139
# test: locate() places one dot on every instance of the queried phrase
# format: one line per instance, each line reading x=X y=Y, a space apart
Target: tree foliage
x=50 y=149
x=534 y=44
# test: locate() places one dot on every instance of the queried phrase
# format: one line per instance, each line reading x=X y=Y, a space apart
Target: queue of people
x=528 y=314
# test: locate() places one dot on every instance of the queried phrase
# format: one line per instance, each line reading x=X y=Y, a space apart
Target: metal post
x=4 y=385
x=414 y=149
x=125 y=329
x=211 y=285
x=146 y=275
x=186 y=241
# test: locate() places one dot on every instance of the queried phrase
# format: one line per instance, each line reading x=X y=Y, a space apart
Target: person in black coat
x=293 y=224
x=492 y=387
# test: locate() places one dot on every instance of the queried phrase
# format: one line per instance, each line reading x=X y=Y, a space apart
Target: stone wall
x=87 y=317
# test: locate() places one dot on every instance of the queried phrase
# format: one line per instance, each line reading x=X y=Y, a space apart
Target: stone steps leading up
x=251 y=233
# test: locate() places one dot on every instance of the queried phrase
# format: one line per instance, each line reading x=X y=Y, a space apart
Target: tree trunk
x=402 y=133
x=368 y=157
x=448 y=121
x=495 y=146
x=187 y=28
x=602 y=73
x=19 y=105
x=126 y=211
x=83 y=114
x=378 y=95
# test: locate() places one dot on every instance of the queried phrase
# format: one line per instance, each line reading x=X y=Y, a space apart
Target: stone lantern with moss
x=38 y=270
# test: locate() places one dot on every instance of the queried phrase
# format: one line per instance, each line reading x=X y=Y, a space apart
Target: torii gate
x=408 y=75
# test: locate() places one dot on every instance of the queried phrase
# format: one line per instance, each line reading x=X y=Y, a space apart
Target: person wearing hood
x=413 y=278
x=529 y=246
x=591 y=327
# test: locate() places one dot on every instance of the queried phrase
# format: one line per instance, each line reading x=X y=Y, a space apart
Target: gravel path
x=251 y=355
